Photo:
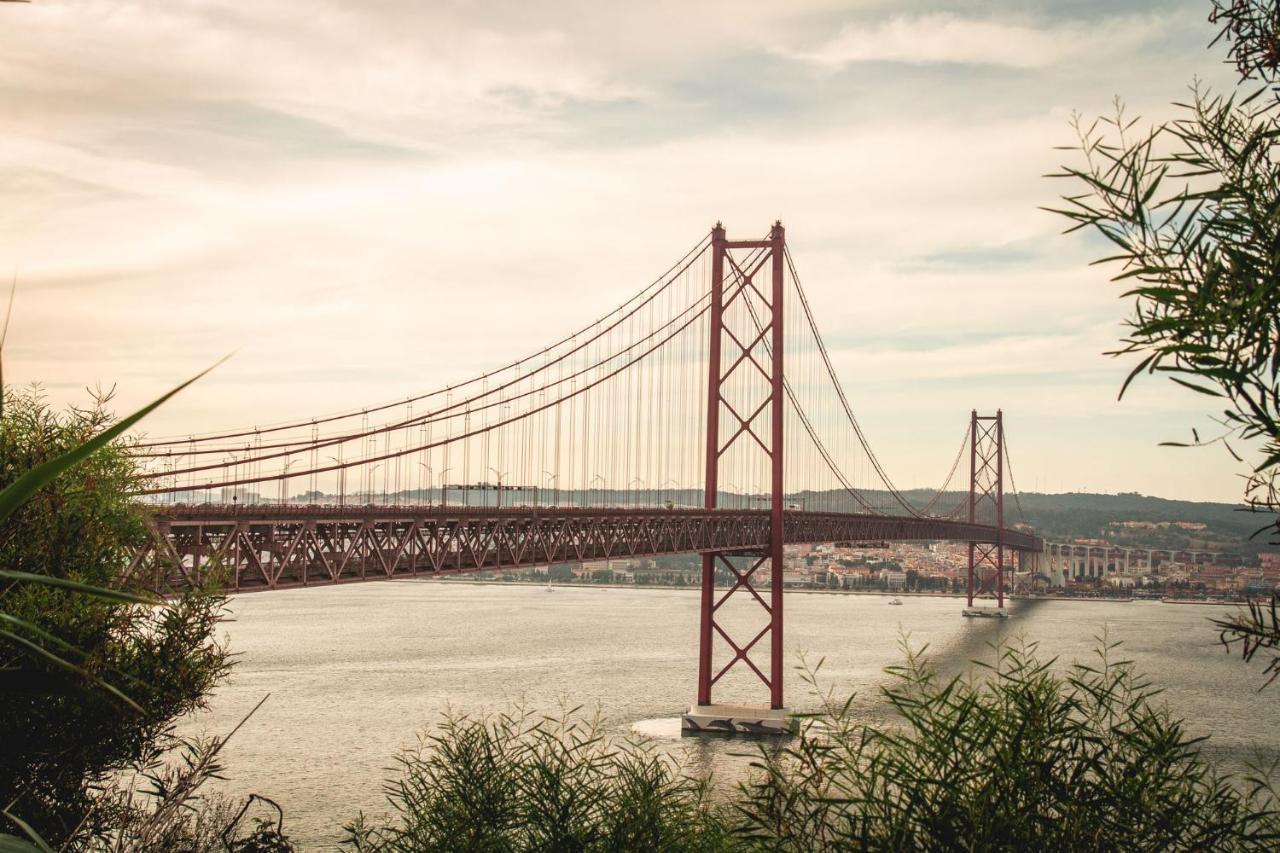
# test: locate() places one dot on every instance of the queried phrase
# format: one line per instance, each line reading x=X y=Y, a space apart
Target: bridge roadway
x=276 y=547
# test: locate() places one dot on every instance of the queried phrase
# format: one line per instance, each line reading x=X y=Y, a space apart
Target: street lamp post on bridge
x=284 y=480
x=673 y=482
x=430 y=480
x=499 y=475
x=342 y=480
x=635 y=498
x=444 y=494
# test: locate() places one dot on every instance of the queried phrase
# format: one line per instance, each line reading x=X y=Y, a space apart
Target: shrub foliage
x=518 y=781
x=1018 y=755
x=64 y=737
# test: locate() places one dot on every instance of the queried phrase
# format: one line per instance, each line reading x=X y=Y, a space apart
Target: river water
x=355 y=672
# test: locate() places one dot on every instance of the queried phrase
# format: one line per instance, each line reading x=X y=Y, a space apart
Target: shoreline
x=793 y=591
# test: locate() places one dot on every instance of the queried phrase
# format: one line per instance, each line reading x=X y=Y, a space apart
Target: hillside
x=1093 y=516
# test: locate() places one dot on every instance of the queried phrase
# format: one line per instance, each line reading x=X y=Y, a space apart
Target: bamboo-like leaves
x=1193 y=206
x=118 y=595
x=12 y=844
x=29 y=483
x=31 y=638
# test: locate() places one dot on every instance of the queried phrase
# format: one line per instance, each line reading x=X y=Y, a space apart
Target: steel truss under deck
x=252 y=548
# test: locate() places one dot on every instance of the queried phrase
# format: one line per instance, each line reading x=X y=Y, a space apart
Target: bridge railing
x=269 y=546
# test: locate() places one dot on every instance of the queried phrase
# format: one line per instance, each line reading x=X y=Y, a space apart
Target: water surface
x=356 y=672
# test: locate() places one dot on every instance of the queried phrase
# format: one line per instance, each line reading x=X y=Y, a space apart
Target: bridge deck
x=271 y=547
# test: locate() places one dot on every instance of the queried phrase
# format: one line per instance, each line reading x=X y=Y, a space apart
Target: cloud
x=373 y=199
x=943 y=38
x=412 y=75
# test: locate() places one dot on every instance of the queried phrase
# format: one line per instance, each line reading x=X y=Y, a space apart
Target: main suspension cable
x=664 y=280
x=844 y=401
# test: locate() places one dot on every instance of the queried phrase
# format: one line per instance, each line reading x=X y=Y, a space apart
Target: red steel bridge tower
x=749 y=411
x=985 y=578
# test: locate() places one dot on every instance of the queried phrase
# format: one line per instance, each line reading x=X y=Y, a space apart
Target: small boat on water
x=895 y=600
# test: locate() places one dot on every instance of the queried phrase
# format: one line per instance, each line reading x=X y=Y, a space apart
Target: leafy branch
x=1191 y=208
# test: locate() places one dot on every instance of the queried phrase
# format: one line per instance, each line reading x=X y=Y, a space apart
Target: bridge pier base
x=988 y=612
x=737 y=720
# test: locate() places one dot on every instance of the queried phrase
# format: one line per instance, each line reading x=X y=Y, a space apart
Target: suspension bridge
x=703 y=415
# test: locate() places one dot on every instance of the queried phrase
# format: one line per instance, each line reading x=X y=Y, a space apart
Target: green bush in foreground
x=90 y=685
x=1015 y=756
x=522 y=782
x=65 y=517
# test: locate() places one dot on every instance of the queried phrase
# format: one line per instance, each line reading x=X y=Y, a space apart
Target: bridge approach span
x=270 y=547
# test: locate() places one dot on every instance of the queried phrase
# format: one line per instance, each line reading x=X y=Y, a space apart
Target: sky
x=366 y=200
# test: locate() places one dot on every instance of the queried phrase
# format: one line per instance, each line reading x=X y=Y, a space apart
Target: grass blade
x=67 y=665
x=14 y=844
x=29 y=483
x=86 y=589
x=37 y=844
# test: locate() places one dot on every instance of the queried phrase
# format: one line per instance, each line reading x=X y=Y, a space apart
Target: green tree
x=560 y=572
x=1191 y=208
x=64 y=738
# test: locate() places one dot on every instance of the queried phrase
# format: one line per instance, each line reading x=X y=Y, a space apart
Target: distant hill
x=1091 y=516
